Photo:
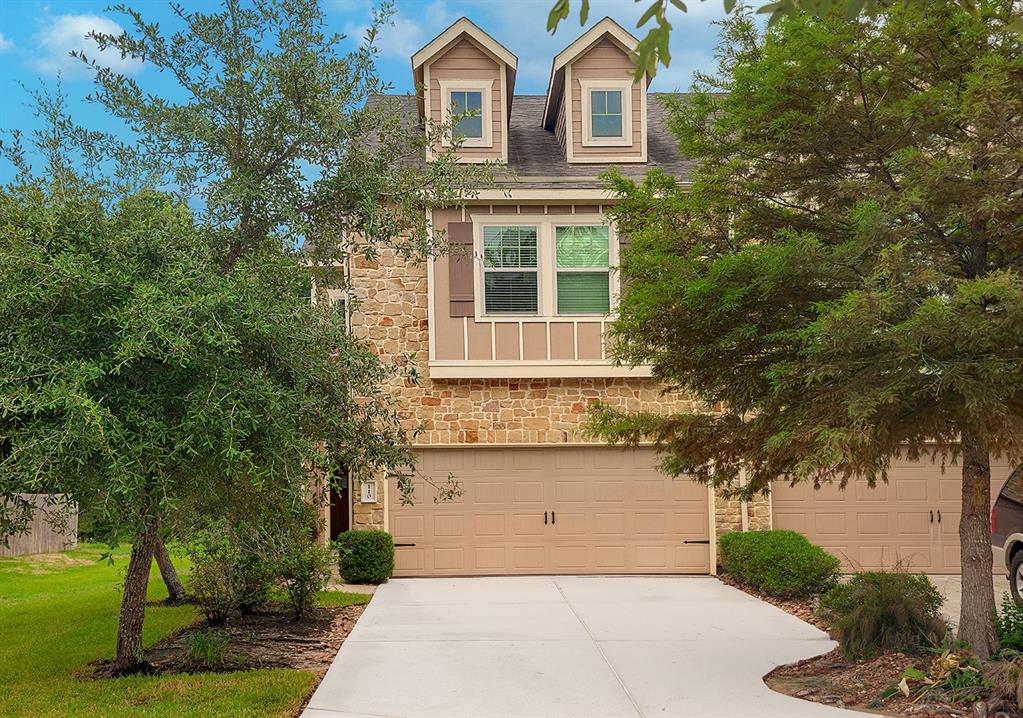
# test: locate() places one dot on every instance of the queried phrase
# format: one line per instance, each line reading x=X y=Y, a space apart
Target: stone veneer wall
x=391 y=314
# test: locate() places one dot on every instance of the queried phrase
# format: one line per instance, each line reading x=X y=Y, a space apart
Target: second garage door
x=551 y=511
x=912 y=522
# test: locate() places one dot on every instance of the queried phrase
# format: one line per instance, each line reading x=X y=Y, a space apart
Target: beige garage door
x=912 y=521
x=551 y=511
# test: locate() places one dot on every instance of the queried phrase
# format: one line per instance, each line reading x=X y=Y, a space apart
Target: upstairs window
x=606 y=113
x=510 y=270
x=468 y=105
x=583 y=276
x=467 y=109
x=607 y=108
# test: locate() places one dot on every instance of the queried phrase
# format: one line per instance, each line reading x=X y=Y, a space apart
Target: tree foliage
x=271 y=129
x=654 y=48
x=842 y=281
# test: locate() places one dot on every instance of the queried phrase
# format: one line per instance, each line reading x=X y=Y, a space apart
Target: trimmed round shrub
x=365 y=556
x=877 y=611
x=782 y=564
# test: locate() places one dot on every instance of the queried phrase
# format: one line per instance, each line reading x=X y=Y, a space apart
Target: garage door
x=551 y=511
x=912 y=521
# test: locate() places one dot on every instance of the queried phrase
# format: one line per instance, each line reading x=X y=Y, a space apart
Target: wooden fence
x=54 y=528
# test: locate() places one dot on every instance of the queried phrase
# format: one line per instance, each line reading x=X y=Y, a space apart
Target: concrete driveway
x=567 y=647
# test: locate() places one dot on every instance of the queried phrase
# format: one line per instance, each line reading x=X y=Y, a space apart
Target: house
x=510 y=339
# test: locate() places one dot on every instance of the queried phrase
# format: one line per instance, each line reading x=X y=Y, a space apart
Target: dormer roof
x=555 y=88
x=464 y=27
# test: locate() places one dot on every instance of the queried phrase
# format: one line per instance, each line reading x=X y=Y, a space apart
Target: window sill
x=512 y=369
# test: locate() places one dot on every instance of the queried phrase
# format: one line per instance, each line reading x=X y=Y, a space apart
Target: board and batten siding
x=605 y=61
x=526 y=339
x=466 y=61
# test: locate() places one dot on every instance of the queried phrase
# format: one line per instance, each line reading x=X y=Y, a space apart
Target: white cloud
x=64 y=33
x=5 y=44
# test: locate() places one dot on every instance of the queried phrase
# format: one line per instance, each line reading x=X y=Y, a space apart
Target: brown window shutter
x=460 y=270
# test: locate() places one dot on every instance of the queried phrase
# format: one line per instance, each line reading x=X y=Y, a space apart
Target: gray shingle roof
x=535 y=152
x=537 y=160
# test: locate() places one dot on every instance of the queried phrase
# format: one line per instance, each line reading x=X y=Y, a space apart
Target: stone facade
x=391 y=313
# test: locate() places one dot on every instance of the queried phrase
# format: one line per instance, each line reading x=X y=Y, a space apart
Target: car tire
x=1016 y=578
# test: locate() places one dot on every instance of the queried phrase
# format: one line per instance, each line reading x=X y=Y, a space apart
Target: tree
x=162 y=365
x=136 y=376
x=842 y=281
x=274 y=133
x=654 y=47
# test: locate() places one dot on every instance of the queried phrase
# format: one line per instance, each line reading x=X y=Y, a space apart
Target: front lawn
x=58 y=613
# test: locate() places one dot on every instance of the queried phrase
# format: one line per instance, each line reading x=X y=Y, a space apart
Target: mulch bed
x=832 y=680
x=266 y=639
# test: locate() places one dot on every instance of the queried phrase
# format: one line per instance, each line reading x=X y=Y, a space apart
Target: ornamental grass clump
x=877 y=612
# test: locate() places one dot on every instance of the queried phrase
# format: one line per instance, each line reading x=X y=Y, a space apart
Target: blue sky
x=36 y=37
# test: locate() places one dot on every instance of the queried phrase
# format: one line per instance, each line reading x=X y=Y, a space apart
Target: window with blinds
x=583 y=275
x=510 y=270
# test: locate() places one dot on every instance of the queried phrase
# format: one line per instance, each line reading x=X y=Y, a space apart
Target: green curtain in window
x=582 y=246
x=583 y=293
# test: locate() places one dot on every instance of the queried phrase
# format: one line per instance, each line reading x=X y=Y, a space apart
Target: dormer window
x=607 y=120
x=467 y=108
x=606 y=113
x=468 y=105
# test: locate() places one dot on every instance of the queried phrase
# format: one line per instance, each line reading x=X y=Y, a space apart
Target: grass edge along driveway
x=58 y=613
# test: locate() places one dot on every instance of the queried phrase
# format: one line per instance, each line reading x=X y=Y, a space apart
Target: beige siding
x=508 y=340
x=466 y=61
x=450 y=344
x=559 y=127
x=605 y=61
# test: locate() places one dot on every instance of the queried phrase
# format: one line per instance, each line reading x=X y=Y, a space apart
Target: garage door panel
x=887 y=524
x=609 y=511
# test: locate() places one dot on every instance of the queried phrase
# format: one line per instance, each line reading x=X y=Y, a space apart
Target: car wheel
x=1016 y=577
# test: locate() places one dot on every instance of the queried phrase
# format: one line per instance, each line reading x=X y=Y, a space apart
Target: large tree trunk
x=175 y=591
x=133 y=604
x=978 y=597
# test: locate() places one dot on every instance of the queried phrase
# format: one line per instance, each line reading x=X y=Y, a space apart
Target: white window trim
x=546 y=253
x=485 y=88
x=625 y=87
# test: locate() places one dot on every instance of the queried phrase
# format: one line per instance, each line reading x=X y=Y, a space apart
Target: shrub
x=782 y=564
x=215 y=583
x=304 y=568
x=365 y=556
x=1009 y=625
x=877 y=611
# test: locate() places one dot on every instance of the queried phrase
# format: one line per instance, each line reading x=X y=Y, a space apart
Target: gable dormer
x=594 y=106
x=464 y=71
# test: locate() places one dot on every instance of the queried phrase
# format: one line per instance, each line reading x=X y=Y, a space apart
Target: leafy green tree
x=842 y=281
x=270 y=129
x=137 y=377
x=654 y=48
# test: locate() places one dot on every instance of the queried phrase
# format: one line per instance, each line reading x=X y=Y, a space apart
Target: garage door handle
x=939 y=516
x=706 y=541
x=554 y=519
x=544 y=518
x=932 y=516
x=404 y=545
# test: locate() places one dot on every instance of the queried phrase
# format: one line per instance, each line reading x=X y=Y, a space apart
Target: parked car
x=1007 y=532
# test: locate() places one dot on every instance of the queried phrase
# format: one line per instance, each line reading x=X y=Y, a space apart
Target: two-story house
x=510 y=339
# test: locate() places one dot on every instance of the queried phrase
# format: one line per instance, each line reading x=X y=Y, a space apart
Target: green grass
x=339 y=599
x=58 y=613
